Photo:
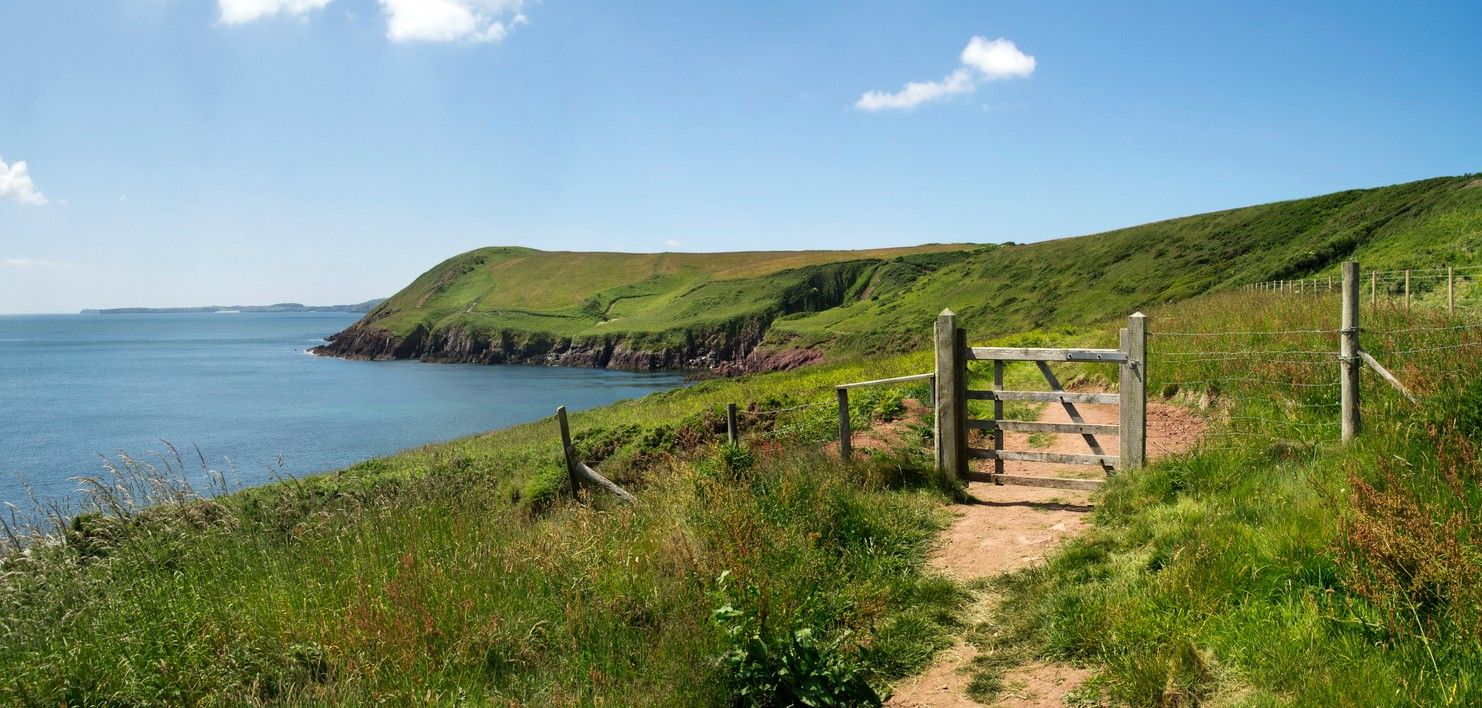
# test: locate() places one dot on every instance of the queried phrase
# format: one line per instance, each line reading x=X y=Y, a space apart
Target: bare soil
x=1001 y=529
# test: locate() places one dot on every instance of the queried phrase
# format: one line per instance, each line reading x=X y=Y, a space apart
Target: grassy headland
x=716 y=310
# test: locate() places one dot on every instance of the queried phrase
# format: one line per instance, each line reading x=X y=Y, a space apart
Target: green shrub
x=786 y=665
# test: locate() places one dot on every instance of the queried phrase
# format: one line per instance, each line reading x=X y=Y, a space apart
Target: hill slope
x=620 y=310
x=728 y=310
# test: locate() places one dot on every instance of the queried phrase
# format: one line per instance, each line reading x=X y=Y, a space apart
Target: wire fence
x=1283 y=385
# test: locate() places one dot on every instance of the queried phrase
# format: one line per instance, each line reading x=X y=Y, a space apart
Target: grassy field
x=1081 y=281
x=597 y=294
x=874 y=301
x=1273 y=565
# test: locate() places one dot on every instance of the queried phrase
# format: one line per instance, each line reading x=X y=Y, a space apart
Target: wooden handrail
x=894 y=379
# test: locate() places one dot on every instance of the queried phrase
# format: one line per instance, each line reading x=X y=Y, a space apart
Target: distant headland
x=358 y=308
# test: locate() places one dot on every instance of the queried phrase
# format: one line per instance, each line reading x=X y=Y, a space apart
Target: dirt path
x=1006 y=528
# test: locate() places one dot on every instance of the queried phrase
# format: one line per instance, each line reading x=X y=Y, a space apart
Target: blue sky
x=187 y=152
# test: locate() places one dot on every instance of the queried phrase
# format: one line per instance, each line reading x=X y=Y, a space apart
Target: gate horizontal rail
x=1028 y=426
x=1044 y=396
x=1028 y=481
x=1059 y=458
x=1029 y=354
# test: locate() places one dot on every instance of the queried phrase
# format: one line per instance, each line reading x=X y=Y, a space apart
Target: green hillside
x=499 y=305
x=1092 y=278
x=507 y=303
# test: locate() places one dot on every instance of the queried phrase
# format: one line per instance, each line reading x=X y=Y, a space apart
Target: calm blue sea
x=240 y=386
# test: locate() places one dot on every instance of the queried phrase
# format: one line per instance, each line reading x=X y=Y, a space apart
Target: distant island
x=358 y=308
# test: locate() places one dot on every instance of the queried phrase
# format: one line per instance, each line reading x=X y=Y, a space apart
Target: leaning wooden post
x=846 y=442
x=949 y=416
x=1450 y=291
x=1133 y=391
x=1348 y=350
x=731 y=435
x=566 y=452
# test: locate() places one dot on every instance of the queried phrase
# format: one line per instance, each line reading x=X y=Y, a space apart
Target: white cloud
x=997 y=59
x=671 y=243
x=36 y=264
x=16 y=183
x=451 y=20
x=236 y=12
x=982 y=60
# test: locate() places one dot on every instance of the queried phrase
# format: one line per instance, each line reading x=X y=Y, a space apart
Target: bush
x=785 y=666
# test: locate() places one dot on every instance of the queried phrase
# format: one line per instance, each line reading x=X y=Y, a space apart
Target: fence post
x=1407 y=288
x=1348 y=350
x=846 y=441
x=566 y=450
x=1450 y=291
x=1374 y=288
x=1133 y=389
x=731 y=434
x=949 y=414
x=998 y=417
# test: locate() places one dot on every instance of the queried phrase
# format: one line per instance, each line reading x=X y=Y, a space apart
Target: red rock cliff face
x=725 y=351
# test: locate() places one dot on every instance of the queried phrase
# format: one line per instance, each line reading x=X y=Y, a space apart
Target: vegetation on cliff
x=708 y=310
x=636 y=311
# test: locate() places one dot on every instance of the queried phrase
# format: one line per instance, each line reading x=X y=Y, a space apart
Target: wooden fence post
x=1450 y=291
x=950 y=418
x=1374 y=288
x=1132 y=431
x=731 y=436
x=1348 y=351
x=846 y=441
x=566 y=450
x=1407 y=288
x=997 y=417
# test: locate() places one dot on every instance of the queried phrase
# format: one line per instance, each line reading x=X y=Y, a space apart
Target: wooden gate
x=953 y=423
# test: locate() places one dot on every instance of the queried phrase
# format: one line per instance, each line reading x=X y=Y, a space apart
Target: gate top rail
x=1032 y=354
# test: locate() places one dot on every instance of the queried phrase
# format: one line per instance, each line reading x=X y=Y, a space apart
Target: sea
x=242 y=391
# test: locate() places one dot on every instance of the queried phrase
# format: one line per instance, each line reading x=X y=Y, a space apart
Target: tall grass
x=1273 y=565
x=458 y=572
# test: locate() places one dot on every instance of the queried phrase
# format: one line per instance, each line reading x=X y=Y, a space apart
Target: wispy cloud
x=671 y=243
x=982 y=60
x=36 y=264
x=15 y=183
x=451 y=20
x=236 y=12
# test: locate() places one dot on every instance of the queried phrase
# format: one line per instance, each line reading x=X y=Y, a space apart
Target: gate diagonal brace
x=1075 y=415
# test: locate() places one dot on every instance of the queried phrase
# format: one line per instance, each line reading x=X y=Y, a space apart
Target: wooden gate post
x=951 y=418
x=1133 y=390
x=1348 y=350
